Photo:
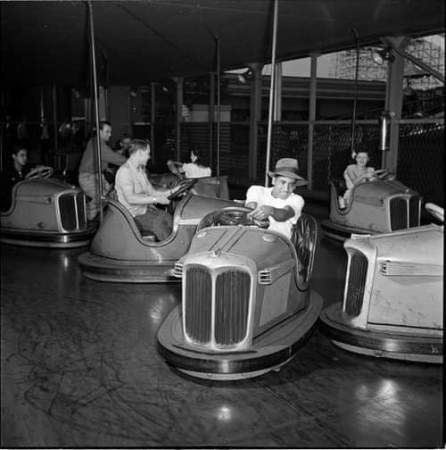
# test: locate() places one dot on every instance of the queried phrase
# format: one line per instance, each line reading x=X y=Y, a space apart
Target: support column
x=311 y=118
x=394 y=102
x=152 y=119
x=179 y=109
x=255 y=115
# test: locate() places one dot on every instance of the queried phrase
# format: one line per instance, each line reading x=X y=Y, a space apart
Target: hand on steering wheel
x=39 y=172
x=182 y=187
x=238 y=215
x=381 y=173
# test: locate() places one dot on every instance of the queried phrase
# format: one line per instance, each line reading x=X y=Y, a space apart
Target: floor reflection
x=80 y=368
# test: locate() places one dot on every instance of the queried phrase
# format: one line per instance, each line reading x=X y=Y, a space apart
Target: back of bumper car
x=380 y=344
x=121 y=253
x=393 y=297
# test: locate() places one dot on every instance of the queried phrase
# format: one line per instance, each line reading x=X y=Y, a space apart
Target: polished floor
x=80 y=368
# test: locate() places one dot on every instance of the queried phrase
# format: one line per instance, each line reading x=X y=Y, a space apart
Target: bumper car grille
x=229 y=302
x=232 y=291
x=398 y=213
x=198 y=304
x=72 y=211
x=356 y=283
x=414 y=212
x=67 y=208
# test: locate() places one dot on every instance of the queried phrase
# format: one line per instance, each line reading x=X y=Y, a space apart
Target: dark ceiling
x=139 y=41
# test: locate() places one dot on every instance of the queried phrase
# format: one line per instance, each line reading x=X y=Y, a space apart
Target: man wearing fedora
x=278 y=203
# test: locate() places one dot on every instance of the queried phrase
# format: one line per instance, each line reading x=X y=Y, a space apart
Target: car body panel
x=46 y=212
x=119 y=252
x=393 y=298
x=242 y=312
x=379 y=206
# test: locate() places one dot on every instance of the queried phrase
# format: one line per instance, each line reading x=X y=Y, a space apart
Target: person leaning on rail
x=88 y=176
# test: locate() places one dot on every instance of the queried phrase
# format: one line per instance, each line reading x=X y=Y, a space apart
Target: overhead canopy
x=139 y=41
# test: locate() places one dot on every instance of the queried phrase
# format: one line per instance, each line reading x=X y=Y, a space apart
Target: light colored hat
x=287 y=167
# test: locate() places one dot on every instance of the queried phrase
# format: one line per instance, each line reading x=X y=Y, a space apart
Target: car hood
x=265 y=248
x=43 y=187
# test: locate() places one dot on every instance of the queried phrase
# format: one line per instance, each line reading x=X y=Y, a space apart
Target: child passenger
x=193 y=169
x=278 y=203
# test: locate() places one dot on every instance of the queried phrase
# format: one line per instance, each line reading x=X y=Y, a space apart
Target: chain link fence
x=420 y=155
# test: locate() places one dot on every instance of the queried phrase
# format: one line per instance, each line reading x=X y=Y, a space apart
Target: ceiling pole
x=54 y=101
x=271 y=93
x=211 y=116
x=96 y=106
x=277 y=110
x=179 y=108
x=355 y=97
x=311 y=117
x=394 y=102
x=217 y=41
x=152 y=119
x=255 y=115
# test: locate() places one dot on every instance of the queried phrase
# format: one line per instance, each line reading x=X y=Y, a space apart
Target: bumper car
x=119 y=252
x=393 y=298
x=46 y=212
x=246 y=300
x=380 y=206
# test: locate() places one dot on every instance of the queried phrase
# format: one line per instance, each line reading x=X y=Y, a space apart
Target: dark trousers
x=157 y=221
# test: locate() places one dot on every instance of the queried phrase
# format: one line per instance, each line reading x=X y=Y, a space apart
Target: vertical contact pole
x=152 y=118
x=217 y=41
x=355 y=100
x=271 y=93
x=54 y=101
x=211 y=117
x=96 y=106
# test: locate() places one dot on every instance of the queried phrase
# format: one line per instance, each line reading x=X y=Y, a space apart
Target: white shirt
x=192 y=170
x=131 y=180
x=262 y=196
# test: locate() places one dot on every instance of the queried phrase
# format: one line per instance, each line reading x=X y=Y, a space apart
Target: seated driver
x=278 y=203
x=18 y=171
x=137 y=194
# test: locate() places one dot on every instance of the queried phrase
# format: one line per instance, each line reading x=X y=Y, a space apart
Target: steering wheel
x=435 y=210
x=182 y=187
x=383 y=174
x=39 y=172
x=232 y=215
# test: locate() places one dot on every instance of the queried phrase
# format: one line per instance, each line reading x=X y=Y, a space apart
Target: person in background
x=123 y=145
x=18 y=171
x=356 y=174
x=278 y=203
x=88 y=176
x=121 y=148
x=194 y=169
x=137 y=194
